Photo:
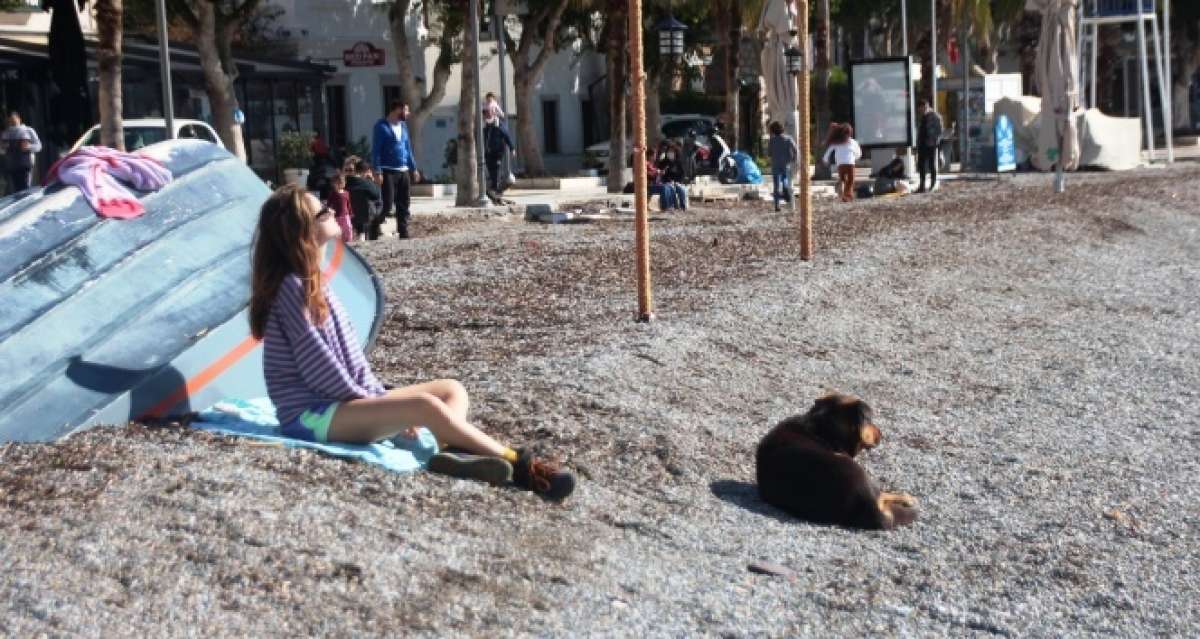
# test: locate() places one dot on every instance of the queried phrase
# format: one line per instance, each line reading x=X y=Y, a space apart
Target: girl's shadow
x=745 y=495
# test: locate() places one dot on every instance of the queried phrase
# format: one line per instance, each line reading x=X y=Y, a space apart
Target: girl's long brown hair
x=839 y=133
x=285 y=243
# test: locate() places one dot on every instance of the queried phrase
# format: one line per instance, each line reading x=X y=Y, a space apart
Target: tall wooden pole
x=806 y=242
x=637 y=79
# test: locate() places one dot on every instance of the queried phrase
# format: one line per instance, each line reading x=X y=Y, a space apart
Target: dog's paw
x=898 y=499
x=903 y=514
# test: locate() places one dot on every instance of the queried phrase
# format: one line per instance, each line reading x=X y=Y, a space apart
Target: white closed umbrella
x=1057 y=68
x=777 y=22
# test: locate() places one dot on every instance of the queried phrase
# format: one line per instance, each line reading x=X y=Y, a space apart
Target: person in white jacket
x=843 y=152
x=21 y=144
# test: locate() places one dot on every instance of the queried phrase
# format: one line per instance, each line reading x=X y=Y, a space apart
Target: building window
x=391 y=93
x=550 y=125
x=335 y=98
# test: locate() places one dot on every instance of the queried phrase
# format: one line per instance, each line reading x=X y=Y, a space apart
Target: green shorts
x=313 y=424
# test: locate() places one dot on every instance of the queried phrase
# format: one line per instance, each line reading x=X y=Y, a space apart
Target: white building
x=328 y=32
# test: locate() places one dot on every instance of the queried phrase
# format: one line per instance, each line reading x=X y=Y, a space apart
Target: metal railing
x=1107 y=8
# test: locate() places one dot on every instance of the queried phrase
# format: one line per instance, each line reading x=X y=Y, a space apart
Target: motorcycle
x=715 y=159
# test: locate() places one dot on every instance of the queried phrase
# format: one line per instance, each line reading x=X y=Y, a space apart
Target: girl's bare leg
x=450 y=391
x=375 y=418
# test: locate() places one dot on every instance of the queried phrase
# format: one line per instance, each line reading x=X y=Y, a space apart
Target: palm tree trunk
x=108 y=59
x=653 y=108
x=732 y=83
x=528 y=145
x=467 y=171
x=822 y=66
x=617 y=68
x=218 y=83
x=1180 y=99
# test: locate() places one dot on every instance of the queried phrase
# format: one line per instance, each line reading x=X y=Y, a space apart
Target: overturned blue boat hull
x=103 y=321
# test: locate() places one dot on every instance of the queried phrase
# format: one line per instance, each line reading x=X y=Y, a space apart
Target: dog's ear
x=825 y=405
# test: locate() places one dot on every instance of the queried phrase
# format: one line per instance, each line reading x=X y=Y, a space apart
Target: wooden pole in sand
x=806 y=241
x=641 y=234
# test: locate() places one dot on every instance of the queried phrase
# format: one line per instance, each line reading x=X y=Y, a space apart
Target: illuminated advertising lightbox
x=881 y=95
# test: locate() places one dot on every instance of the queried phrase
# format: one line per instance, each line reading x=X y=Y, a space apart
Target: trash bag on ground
x=748 y=172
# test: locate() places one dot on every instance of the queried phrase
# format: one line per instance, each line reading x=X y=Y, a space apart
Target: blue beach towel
x=256 y=418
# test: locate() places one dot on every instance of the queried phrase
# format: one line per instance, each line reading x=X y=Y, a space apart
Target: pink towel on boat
x=96 y=171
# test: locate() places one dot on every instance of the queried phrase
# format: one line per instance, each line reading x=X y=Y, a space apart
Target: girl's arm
x=319 y=367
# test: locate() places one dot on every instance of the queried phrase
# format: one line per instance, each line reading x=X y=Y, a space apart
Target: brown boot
x=543 y=477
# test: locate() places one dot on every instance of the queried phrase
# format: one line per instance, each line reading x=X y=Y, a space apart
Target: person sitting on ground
x=339 y=201
x=784 y=154
x=672 y=193
x=892 y=178
x=319 y=380
x=843 y=152
x=366 y=200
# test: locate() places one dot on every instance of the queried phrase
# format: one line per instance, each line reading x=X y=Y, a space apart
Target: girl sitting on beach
x=319 y=380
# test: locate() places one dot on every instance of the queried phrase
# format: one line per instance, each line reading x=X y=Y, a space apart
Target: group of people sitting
x=354 y=195
x=666 y=176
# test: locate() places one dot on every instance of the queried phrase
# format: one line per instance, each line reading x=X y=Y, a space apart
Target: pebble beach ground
x=1032 y=359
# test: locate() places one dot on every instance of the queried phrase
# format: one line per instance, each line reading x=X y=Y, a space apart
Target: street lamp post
x=806 y=242
x=164 y=53
x=794 y=58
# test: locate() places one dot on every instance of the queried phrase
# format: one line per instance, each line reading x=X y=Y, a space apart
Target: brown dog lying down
x=806 y=466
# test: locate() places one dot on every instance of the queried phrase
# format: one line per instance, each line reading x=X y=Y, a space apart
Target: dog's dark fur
x=806 y=466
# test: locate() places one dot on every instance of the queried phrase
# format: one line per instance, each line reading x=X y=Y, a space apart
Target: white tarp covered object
x=1057 y=66
x=776 y=23
x=1104 y=142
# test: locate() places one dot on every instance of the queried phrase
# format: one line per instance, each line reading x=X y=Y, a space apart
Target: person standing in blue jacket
x=392 y=155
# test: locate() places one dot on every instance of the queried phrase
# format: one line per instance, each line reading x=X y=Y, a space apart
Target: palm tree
x=539 y=40
x=447 y=20
x=822 y=67
x=108 y=59
x=987 y=22
x=467 y=171
x=615 y=39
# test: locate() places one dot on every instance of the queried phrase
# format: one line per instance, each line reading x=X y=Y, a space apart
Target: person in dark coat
x=929 y=138
x=667 y=160
x=496 y=142
x=366 y=202
x=690 y=147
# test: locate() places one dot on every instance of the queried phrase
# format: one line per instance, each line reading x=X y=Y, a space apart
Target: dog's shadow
x=745 y=495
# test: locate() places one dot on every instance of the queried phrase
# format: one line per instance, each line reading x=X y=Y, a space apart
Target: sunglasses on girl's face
x=324 y=213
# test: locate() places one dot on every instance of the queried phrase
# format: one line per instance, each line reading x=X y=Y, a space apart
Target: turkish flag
x=952 y=49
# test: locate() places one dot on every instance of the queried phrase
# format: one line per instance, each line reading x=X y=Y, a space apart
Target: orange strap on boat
x=233 y=356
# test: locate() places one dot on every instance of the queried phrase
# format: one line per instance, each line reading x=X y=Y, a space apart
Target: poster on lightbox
x=881 y=91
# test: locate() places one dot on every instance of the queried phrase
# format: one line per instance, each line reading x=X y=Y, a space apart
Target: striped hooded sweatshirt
x=307 y=365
